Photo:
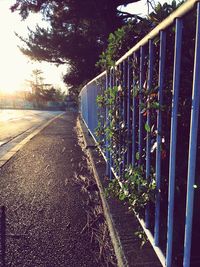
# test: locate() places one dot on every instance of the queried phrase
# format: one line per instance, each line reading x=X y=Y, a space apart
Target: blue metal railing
x=172 y=164
x=135 y=68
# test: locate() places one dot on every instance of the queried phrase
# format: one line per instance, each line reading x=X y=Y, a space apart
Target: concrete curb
x=121 y=259
x=16 y=148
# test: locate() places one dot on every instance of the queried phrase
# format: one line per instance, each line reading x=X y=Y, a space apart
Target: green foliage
x=107 y=58
x=100 y=100
x=122 y=39
x=137 y=156
x=135 y=189
x=76 y=33
x=147 y=127
x=162 y=11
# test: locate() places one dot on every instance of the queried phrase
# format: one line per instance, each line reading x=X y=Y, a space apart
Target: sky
x=16 y=68
x=139 y=8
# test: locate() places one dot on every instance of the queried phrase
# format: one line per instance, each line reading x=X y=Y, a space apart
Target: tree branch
x=129 y=15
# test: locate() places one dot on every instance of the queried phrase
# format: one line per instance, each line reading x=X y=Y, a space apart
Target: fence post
x=159 y=137
x=148 y=135
x=140 y=137
x=124 y=81
x=128 y=113
x=172 y=163
x=107 y=123
x=134 y=113
x=192 y=145
x=111 y=84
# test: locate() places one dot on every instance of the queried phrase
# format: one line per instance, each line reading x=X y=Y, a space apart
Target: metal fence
x=172 y=222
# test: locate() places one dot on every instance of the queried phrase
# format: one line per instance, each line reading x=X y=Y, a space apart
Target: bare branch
x=129 y=15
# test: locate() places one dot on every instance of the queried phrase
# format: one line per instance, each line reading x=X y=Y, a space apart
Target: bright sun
x=13 y=65
x=15 y=68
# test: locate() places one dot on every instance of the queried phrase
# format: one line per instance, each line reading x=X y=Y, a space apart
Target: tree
x=42 y=92
x=53 y=94
x=37 y=85
x=77 y=33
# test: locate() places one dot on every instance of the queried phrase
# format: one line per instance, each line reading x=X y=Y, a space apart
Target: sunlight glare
x=15 y=68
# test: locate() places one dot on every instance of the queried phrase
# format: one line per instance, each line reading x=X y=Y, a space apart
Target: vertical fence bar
x=134 y=113
x=97 y=91
x=140 y=138
x=117 y=83
x=111 y=156
x=104 y=118
x=86 y=111
x=114 y=148
x=172 y=163
x=93 y=92
x=84 y=103
x=192 y=145
x=89 y=106
x=148 y=136
x=124 y=114
x=128 y=112
x=121 y=118
x=81 y=103
x=159 y=137
x=107 y=124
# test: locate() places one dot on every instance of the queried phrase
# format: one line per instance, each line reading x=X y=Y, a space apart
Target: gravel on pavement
x=42 y=203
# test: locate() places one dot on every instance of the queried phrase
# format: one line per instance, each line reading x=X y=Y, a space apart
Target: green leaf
x=122 y=196
x=137 y=155
x=147 y=127
x=155 y=105
x=135 y=91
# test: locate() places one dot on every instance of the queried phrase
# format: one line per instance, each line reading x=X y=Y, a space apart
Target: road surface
x=43 y=207
x=16 y=124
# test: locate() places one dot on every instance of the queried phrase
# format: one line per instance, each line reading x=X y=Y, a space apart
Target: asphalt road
x=15 y=122
x=42 y=202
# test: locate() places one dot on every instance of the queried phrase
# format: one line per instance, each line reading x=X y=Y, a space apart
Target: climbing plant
x=133 y=187
x=131 y=184
x=113 y=133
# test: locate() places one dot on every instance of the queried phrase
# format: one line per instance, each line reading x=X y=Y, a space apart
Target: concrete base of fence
x=122 y=223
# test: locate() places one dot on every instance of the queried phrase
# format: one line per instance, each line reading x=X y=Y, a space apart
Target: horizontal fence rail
x=144 y=114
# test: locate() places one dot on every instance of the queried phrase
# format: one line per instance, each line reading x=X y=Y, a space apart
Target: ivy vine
x=133 y=187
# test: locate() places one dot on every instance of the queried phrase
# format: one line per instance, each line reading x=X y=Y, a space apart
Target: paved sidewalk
x=44 y=204
x=122 y=222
